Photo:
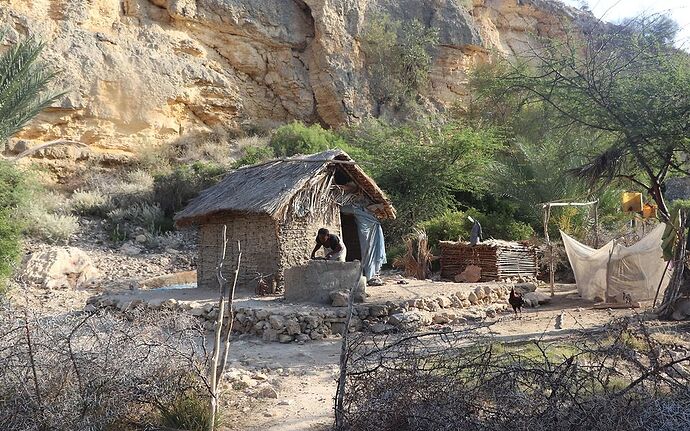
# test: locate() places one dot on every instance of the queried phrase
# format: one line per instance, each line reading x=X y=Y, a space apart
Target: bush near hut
x=172 y=191
x=454 y=225
x=297 y=138
x=422 y=165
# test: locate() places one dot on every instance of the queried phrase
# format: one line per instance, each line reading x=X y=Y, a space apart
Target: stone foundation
x=294 y=323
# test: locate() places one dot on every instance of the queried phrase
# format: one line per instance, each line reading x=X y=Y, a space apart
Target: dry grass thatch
x=294 y=186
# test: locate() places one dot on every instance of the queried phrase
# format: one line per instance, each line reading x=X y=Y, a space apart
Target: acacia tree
x=625 y=82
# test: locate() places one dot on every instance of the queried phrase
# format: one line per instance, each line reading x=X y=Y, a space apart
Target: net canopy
x=635 y=270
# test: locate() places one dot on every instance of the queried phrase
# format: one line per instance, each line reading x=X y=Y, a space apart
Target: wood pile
x=498 y=260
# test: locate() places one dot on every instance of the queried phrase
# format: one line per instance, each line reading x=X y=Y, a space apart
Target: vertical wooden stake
x=217 y=367
x=547 y=215
x=340 y=391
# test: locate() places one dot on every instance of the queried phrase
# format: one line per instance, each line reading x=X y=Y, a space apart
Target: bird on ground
x=516 y=301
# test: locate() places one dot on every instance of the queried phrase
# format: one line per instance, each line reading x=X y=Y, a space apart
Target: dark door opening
x=350 y=237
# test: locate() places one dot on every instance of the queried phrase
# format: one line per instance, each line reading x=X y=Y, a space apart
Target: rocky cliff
x=139 y=71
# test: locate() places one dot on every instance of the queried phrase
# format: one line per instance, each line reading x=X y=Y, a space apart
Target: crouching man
x=335 y=249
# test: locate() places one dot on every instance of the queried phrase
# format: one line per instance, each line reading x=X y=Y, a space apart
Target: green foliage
x=190 y=413
x=172 y=191
x=253 y=155
x=398 y=57
x=297 y=138
x=454 y=225
x=23 y=83
x=626 y=84
x=148 y=216
x=422 y=165
x=13 y=195
x=447 y=226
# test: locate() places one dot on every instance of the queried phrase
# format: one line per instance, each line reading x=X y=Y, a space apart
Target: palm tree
x=24 y=80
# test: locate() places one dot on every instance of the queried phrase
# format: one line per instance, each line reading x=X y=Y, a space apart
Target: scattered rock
x=381 y=328
x=285 y=403
x=338 y=328
x=378 y=310
x=130 y=249
x=266 y=391
x=523 y=288
x=285 y=338
x=277 y=322
x=292 y=327
x=533 y=299
x=339 y=298
x=471 y=274
x=472 y=297
x=140 y=238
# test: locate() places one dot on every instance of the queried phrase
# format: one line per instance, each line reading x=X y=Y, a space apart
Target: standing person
x=335 y=249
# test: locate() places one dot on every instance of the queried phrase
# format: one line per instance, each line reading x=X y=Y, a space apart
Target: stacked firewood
x=497 y=259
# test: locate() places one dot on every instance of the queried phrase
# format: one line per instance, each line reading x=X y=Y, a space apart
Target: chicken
x=516 y=301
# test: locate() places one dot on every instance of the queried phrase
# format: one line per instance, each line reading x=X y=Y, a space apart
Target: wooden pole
x=547 y=215
x=344 y=347
x=596 y=225
x=213 y=371
x=658 y=289
x=231 y=313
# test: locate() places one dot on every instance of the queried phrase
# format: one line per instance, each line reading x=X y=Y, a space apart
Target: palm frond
x=24 y=81
x=605 y=166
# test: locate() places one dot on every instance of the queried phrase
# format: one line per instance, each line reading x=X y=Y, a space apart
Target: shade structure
x=614 y=269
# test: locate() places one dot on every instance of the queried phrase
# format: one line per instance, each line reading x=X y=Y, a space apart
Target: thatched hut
x=275 y=209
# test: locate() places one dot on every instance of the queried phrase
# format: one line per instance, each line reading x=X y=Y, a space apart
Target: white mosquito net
x=635 y=270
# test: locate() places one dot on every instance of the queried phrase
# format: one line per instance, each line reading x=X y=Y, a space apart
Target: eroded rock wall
x=146 y=71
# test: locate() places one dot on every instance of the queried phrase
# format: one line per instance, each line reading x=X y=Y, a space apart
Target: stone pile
x=300 y=324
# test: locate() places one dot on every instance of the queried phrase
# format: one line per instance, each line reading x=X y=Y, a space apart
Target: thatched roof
x=281 y=187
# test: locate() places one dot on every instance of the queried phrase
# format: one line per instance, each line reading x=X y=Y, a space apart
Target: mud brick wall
x=297 y=237
x=260 y=252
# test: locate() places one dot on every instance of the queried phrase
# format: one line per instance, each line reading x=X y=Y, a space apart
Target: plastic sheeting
x=370 y=239
x=635 y=270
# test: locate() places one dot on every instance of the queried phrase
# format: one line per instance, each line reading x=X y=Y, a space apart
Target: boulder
x=61 y=268
x=471 y=274
x=525 y=287
x=534 y=299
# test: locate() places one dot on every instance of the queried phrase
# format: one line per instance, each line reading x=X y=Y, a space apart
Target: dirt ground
x=306 y=374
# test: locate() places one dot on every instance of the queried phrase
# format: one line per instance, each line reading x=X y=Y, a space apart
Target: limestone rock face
x=60 y=268
x=137 y=72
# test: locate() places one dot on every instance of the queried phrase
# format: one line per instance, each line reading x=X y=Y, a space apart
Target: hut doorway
x=350 y=232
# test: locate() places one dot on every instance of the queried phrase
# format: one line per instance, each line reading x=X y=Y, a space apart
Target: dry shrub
x=50 y=227
x=417 y=259
x=91 y=202
x=97 y=371
x=462 y=381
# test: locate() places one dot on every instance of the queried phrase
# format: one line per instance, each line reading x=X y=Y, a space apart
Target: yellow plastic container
x=631 y=202
x=649 y=211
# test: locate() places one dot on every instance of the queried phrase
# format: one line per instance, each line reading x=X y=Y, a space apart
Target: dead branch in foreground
x=621 y=378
